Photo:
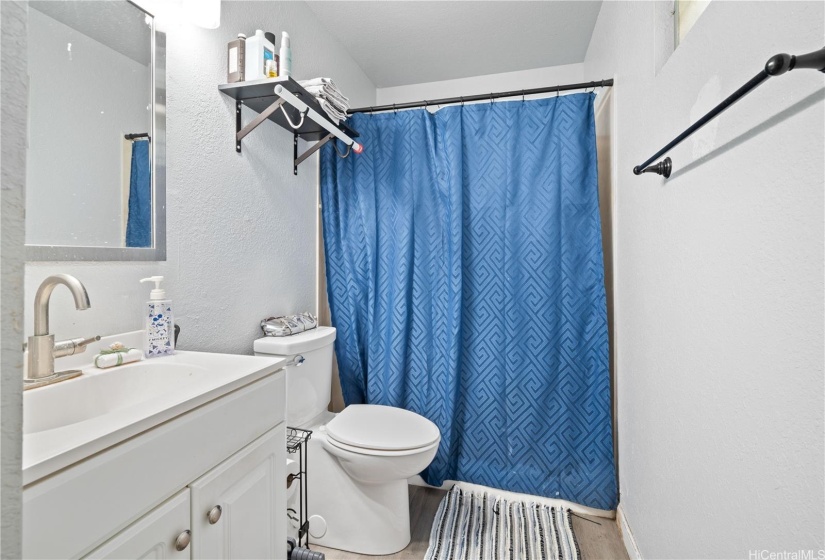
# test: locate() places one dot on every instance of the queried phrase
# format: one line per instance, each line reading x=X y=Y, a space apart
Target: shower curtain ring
x=522 y=96
x=491 y=98
x=557 y=90
x=394 y=108
x=462 y=101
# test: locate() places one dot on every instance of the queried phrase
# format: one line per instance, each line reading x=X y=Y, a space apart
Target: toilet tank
x=308 y=382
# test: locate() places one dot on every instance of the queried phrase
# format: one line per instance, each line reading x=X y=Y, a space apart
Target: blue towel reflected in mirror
x=139 y=224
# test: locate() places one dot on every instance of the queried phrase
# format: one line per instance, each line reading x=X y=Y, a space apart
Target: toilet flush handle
x=297 y=361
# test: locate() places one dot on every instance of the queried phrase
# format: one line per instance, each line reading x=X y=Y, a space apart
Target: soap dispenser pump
x=159 y=338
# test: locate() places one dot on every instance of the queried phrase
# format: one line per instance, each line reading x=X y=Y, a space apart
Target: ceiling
x=408 y=42
x=118 y=25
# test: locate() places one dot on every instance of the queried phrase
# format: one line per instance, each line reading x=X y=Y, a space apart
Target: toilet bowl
x=358 y=460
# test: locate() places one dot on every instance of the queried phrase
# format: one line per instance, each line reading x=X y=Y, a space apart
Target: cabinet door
x=246 y=496
x=155 y=535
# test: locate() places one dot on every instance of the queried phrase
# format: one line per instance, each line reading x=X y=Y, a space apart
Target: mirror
x=95 y=169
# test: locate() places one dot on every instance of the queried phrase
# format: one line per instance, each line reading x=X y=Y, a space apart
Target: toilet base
x=360 y=517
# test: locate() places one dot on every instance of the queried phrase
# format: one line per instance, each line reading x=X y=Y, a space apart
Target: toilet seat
x=381 y=430
x=379 y=452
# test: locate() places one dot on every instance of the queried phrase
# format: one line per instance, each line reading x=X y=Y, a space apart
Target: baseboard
x=627 y=535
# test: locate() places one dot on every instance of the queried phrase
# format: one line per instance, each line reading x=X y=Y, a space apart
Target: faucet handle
x=72 y=346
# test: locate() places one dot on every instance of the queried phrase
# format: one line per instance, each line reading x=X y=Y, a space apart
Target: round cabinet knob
x=183 y=540
x=214 y=515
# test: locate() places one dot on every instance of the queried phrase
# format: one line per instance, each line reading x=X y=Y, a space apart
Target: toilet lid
x=372 y=426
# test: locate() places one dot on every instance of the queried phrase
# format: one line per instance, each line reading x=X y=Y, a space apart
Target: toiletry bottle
x=277 y=63
x=258 y=51
x=159 y=338
x=286 y=56
x=236 y=53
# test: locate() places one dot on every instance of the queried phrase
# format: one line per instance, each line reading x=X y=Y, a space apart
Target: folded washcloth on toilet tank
x=288 y=324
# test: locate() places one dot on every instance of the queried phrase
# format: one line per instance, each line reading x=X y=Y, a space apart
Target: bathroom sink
x=97 y=393
x=68 y=421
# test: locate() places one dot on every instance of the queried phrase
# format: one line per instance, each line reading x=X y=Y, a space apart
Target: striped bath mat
x=476 y=526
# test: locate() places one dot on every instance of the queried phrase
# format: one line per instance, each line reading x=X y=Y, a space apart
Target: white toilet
x=358 y=460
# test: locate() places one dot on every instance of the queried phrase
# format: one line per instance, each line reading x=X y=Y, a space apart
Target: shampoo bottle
x=159 y=338
x=285 y=56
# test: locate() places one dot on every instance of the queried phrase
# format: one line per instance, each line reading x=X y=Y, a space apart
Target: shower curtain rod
x=136 y=136
x=483 y=97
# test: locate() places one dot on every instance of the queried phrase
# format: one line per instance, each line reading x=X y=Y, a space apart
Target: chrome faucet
x=42 y=347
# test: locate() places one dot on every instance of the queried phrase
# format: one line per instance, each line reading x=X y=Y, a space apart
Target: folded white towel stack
x=329 y=97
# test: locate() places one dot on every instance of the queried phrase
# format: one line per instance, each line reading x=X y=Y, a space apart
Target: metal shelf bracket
x=238 y=124
x=299 y=159
x=240 y=133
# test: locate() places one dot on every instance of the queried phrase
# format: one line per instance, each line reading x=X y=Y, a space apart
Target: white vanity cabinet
x=233 y=510
x=137 y=498
x=230 y=512
x=158 y=534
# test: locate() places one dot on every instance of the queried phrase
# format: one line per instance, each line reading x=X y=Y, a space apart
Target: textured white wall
x=67 y=203
x=719 y=282
x=241 y=228
x=522 y=79
x=13 y=90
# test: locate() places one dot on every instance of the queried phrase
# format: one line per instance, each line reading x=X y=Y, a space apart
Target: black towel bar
x=776 y=66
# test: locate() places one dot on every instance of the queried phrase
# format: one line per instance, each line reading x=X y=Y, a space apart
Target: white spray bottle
x=159 y=339
x=285 y=55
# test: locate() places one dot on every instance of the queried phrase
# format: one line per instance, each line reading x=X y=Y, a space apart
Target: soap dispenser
x=159 y=337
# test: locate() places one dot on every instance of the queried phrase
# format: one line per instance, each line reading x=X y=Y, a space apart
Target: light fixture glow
x=203 y=13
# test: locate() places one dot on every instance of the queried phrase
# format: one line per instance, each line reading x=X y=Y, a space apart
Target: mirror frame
x=158 y=145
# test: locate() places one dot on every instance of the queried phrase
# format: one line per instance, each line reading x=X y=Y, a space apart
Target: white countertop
x=66 y=422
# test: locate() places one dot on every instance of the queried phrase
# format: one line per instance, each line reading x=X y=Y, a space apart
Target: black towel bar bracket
x=776 y=66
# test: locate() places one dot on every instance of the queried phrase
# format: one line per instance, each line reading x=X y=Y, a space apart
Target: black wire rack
x=297 y=442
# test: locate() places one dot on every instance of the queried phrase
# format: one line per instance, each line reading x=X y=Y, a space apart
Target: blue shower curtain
x=139 y=221
x=466 y=281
